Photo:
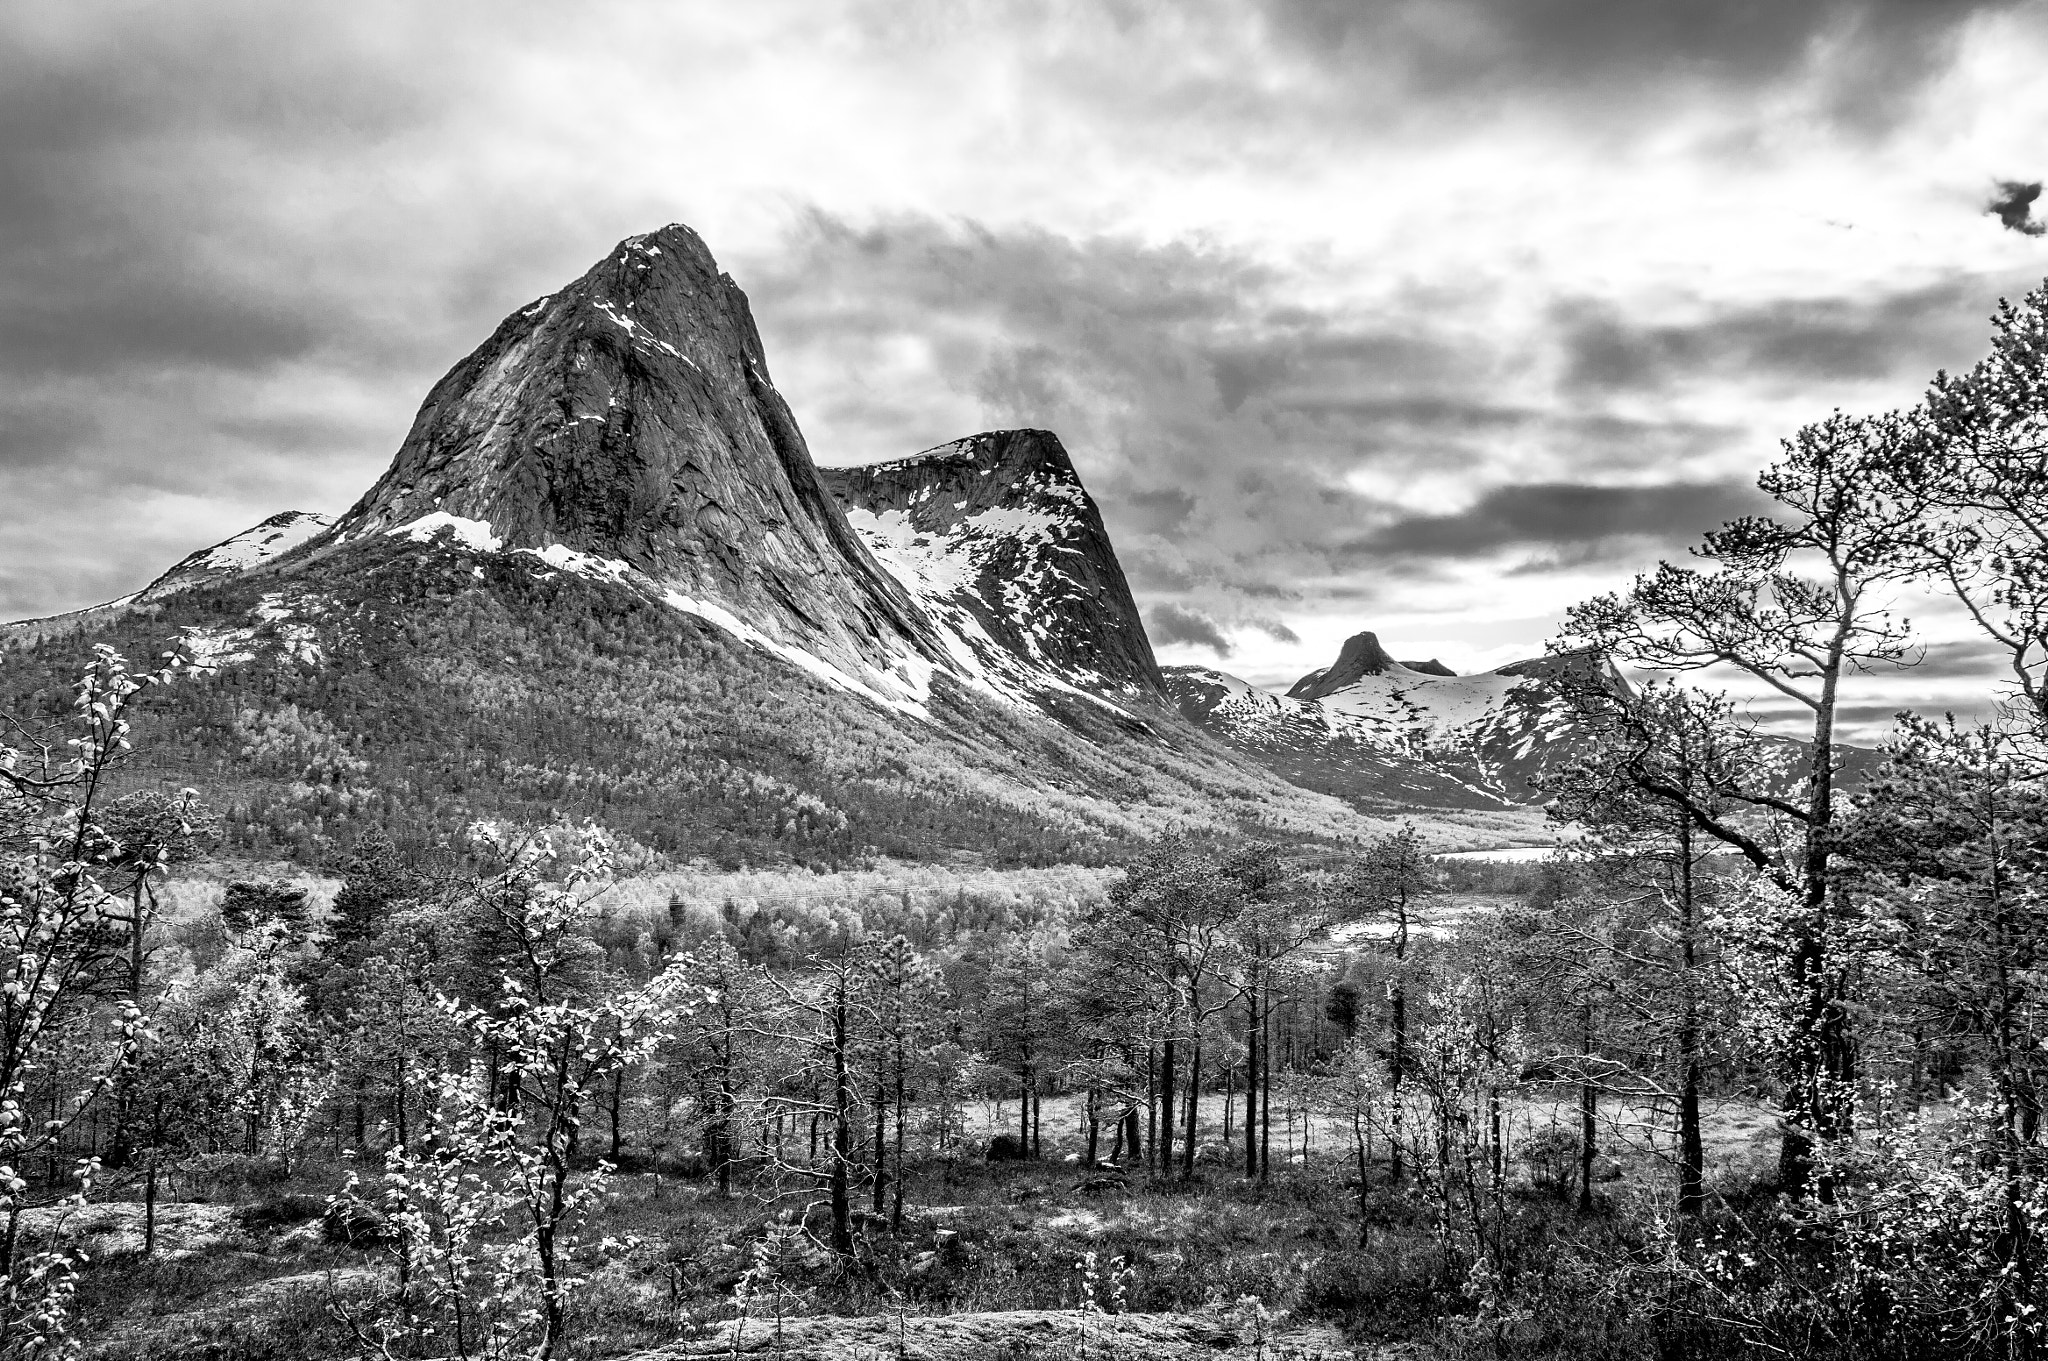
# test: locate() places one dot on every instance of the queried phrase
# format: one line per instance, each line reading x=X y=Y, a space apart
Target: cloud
x=1563 y=514
x=1863 y=60
x=1792 y=341
x=1276 y=630
x=1169 y=624
x=2014 y=207
x=1972 y=657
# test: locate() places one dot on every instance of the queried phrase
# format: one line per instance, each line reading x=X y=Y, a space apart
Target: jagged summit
x=1360 y=656
x=1432 y=667
x=995 y=535
x=630 y=417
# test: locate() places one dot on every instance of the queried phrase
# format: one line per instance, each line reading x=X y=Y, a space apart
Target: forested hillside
x=426 y=690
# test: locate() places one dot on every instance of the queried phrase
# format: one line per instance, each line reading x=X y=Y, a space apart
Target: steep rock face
x=629 y=418
x=996 y=537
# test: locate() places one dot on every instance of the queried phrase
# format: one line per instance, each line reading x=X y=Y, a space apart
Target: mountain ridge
x=602 y=580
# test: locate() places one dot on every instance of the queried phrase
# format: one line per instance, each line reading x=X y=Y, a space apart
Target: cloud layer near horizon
x=1425 y=317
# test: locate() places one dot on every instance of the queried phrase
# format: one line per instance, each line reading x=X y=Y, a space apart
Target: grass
x=248 y=1276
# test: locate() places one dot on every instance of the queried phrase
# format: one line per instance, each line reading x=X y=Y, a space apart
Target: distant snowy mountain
x=1488 y=735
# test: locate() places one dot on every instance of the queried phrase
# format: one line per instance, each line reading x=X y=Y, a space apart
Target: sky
x=1429 y=317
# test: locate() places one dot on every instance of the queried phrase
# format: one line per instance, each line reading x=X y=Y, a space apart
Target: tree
x=1952 y=844
x=499 y=1147
x=906 y=995
x=1659 y=761
x=1799 y=605
x=708 y=1049
x=1978 y=461
x=146 y=833
x=1390 y=884
x=1167 y=921
x=56 y=914
x=822 y=1020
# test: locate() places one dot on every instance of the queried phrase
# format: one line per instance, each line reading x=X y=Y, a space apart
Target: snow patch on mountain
x=281 y=628
x=586 y=565
x=210 y=649
x=232 y=556
x=275 y=536
x=474 y=534
x=916 y=681
x=928 y=565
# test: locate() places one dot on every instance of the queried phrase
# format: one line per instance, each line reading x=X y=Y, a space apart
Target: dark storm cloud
x=1969 y=658
x=129 y=233
x=1276 y=630
x=1169 y=623
x=1866 y=59
x=2014 y=207
x=1563 y=514
x=1906 y=334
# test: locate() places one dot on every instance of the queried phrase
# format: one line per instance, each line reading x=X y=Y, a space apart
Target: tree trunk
x=1692 y=1155
x=842 y=1133
x=1187 y=1157
x=618 y=1098
x=1252 y=1057
x=1397 y=1069
x=149 y=1207
x=1166 y=1110
x=896 y=1209
x=1589 y=1109
x=1266 y=1095
x=881 y=1144
x=1151 y=1110
x=1364 y=1189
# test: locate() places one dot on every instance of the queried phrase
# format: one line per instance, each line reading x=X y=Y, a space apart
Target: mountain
x=1419 y=730
x=626 y=425
x=1319 y=748
x=997 y=539
x=602 y=581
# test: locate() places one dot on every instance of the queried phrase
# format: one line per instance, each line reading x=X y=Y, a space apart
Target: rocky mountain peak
x=1360 y=656
x=998 y=538
x=629 y=417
